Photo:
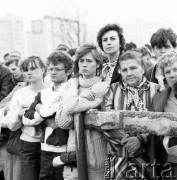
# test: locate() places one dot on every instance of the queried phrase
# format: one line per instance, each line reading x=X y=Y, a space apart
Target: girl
x=22 y=99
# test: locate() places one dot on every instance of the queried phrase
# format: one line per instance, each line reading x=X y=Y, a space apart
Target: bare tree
x=71 y=29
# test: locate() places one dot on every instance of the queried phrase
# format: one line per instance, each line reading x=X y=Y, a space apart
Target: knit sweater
x=22 y=98
x=5 y=103
x=78 y=102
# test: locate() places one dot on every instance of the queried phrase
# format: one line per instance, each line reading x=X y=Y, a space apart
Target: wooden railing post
x=80 y=146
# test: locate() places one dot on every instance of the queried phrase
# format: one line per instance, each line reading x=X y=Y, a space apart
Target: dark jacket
x=159 y=103
x=6 y=82
x=6 y=86
x=150 y=74
x=160 y=100
x=116 y=77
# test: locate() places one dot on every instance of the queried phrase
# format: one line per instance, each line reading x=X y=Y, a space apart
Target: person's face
x=111 y=42
x=170 y=73
x=87 y=66
x=15 y=56
x=15 y=70
x=159 y=51
x=146 y=61
x=58 y=73
x=34 y=73
x=131 y=72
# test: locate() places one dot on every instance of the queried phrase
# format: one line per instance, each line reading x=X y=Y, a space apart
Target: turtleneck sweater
x=77 y=97
x=76 y=101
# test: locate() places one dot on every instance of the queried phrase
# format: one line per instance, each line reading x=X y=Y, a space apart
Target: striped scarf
x=119 y=160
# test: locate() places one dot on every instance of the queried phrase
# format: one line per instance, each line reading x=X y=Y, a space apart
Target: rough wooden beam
x=159 y=123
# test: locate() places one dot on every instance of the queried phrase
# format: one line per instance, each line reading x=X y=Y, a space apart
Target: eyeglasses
x=57 y=70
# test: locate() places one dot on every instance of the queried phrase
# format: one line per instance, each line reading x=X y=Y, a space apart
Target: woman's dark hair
x=33 y=60
x=85 y=49
x=61 y=57
x=111 y=27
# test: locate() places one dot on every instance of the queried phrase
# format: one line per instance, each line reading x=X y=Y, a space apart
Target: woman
x=111 y=40
x=86 y=92
x=21 y=100
x=166 y=101
x=134 y=93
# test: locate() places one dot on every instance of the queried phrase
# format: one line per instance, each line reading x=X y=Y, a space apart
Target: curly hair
x=161 y=37
x=61 y=57
x=85 y=49
x=167 y=59
x=111 y=27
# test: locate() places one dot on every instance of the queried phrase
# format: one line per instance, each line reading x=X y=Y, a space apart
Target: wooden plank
x=80 y=147
x=158 y=123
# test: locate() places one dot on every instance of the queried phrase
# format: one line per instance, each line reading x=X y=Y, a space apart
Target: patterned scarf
x=107 y=71
x=134 y=102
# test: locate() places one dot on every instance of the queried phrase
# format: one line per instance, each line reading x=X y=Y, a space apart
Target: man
x=161 y=41
x=15 y=70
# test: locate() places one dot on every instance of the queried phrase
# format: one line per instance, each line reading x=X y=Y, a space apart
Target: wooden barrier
x=157 y=123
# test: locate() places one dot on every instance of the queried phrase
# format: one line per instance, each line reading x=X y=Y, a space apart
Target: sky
x=92 y=12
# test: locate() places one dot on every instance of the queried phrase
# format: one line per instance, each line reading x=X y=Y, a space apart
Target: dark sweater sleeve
x=30 y=112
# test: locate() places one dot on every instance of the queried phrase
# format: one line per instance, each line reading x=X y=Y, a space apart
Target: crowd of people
x=38 y=101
